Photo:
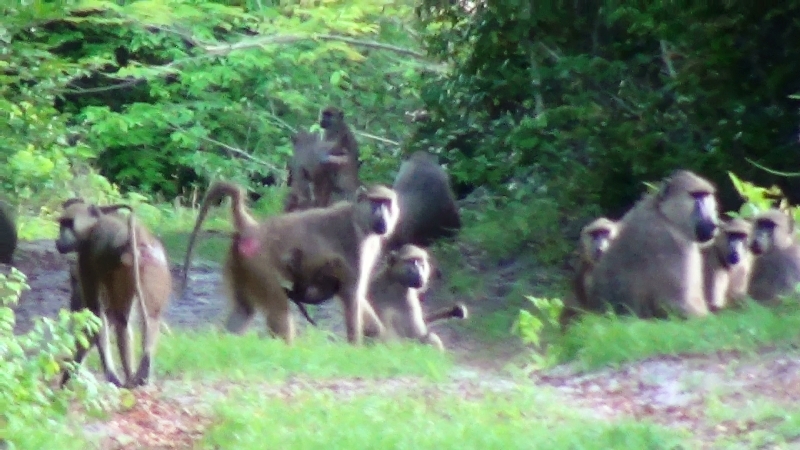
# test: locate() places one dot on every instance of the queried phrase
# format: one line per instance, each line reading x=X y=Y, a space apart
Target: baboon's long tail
x=242 y=219
x=457 y=311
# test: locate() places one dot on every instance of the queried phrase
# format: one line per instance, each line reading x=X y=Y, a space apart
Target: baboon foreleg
x=150 y=334
x=432 y=339
x=240 y=316
x=105 y=356
x=124 y=337
x=373 y=327
x=457 y=311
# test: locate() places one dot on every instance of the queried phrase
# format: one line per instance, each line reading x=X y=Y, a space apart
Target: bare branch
x=378 y=138
x=236 y=151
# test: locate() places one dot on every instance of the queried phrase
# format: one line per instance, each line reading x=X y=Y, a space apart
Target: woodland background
x=545 y=114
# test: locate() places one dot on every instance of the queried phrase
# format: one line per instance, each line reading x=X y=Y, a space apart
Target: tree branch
x=667 y=60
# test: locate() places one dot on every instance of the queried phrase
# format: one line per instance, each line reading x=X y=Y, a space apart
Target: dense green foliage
x=592 y=100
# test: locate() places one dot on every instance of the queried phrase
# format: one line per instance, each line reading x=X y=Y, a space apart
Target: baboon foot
x=142 y=376
x=112 y=378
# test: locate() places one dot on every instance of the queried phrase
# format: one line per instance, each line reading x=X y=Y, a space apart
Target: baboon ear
x=361 y=192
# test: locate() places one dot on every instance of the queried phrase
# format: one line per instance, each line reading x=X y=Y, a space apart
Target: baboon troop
x=369 y=247
x=118 y=260
x=776 y=269
x=654 y=265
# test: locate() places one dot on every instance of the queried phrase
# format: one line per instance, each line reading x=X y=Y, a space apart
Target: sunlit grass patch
x=415 y=420
x=195 y=353
x=596 y=341
x=207 y=247
x=759 y=421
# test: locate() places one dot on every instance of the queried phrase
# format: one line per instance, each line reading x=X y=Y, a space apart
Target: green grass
x=51 y=433
x=526 y=419
x=597 y=341
x=758 y=422
x=314 y=354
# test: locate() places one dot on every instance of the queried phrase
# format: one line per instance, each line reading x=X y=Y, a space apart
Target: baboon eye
x=766 y=225
x=66 y=223
x=699 y=195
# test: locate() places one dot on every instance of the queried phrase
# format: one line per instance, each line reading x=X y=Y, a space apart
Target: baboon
x=595 y=239
x=316 y=279
x=654 y=266
x=427 y=205
x=394 y=293
x=341 y=159
x=776 y=268
x=726 y=264
x=256 y=272
x=8 y=234
x=117 y=261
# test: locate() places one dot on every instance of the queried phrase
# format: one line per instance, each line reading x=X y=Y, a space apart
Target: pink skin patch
x=248 y=246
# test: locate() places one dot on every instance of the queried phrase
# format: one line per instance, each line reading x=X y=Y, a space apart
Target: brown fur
x=776 y=269
x=427 y=204
x=726 y=265
x=8 y=234
x=394 y=293
x=341 y=161
x=654 y=266
x=595 y=239
x=308 y=177
x=117 y=262
x=256 y=271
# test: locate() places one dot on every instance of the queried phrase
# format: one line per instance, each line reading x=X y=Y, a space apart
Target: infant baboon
x=654 y=266
x=117 y=261
x=595 y=239
x=256 y=271
x=427 y=204
x=726 y=265
x=776 y=268
x=8 y=234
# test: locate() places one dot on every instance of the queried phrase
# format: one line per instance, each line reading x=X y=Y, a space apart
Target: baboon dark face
x=382 y=211
x=601 y=239
x=75 y=224
x=763 y=236
x=704 y=216
x=736 y=248
x=330 y=118
x=772 y=229
x=411 y=267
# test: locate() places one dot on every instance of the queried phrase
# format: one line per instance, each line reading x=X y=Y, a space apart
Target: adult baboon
x=256 y=272
x=341 y=160
x=726 y=264
x=654 y=266
x=8 y=234
x=427 y=205
x=595 y=239
x=776 y=269
x=117 y=261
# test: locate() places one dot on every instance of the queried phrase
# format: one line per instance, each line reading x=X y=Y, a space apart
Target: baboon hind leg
x=151 y=328
x=124 y=338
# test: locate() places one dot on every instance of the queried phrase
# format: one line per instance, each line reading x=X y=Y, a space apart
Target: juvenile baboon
x=341 y=159
x=427 y=205
x=394 y=293
x=595 y=239
x=726 y=264
x=117 y=261
x=8 y=234
x=316 y=279
x=256 y=272
x=654 y=266
x=776 y=268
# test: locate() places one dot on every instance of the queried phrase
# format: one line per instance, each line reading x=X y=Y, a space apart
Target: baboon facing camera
x=654 y=266
x=118 y=261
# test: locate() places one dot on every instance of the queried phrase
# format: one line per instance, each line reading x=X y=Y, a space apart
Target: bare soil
x=690 y=393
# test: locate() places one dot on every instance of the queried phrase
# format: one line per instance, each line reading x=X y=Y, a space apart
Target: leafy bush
x=32 y=412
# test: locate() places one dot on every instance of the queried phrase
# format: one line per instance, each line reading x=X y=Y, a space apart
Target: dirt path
x=712 y=397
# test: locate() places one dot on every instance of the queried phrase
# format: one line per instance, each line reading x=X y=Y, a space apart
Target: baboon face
x=382 y=210
x=689 y=203
x=733 y=241
x=330 y=117
x=410 y=267
x=596 y=238
x=772 y=229
x=75 y=224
